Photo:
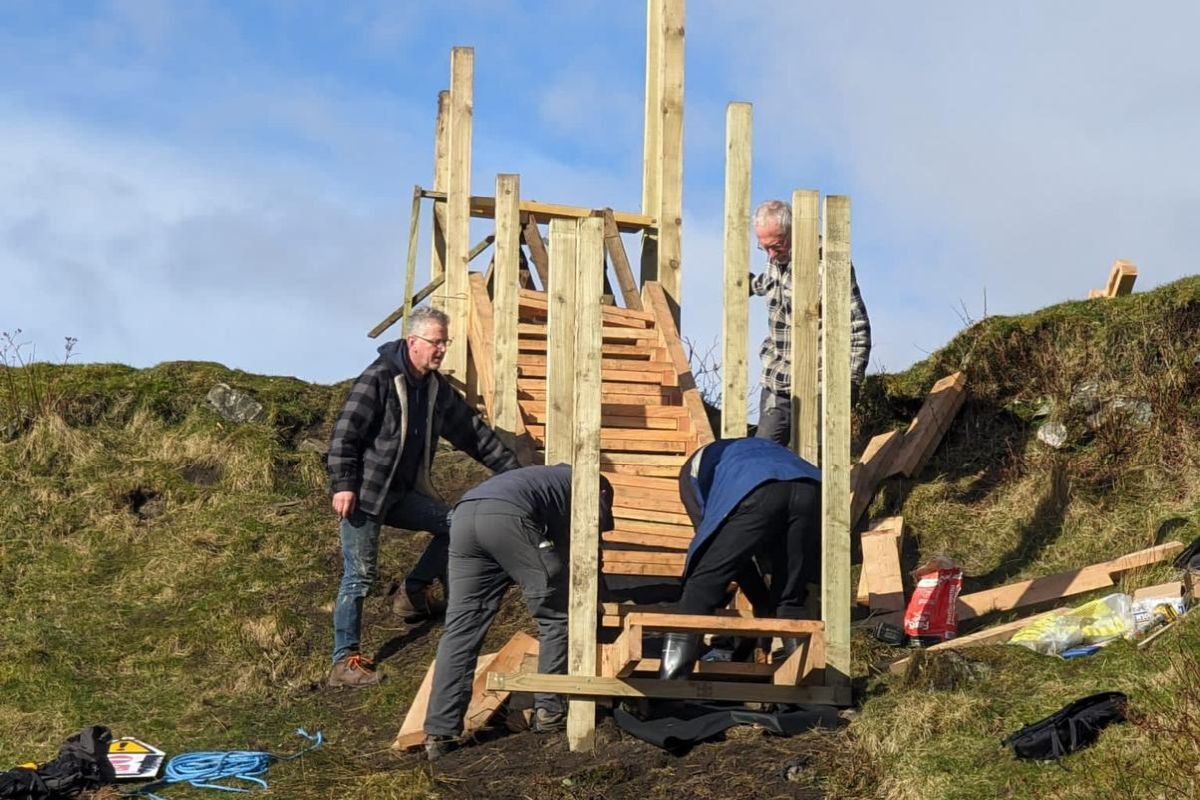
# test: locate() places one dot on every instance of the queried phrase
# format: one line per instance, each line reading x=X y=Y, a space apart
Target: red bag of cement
x=931 y=615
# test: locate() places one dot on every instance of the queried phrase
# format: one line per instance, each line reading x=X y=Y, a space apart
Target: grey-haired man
x=379 y=464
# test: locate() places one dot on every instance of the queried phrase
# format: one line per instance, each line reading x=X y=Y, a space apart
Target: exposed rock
x=1086 y=397
x=1053 y=434
x=318 y=446
x=235 y=405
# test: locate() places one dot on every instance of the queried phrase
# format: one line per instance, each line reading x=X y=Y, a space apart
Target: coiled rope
x=201 y=768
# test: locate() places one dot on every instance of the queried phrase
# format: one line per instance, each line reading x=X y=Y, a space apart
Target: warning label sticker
x=135 y=760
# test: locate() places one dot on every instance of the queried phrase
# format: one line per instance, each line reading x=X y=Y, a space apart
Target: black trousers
x=778 y=523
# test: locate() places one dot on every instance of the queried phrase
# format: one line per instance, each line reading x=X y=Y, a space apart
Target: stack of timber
x=652 y=419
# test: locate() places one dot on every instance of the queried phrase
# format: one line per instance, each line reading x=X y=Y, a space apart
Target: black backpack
x=82 y=763
x=1076 y=725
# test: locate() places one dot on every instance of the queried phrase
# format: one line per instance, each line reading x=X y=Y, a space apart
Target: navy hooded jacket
x=720 y=475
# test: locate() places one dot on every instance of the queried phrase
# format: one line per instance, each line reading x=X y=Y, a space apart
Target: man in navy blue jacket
x=749 y=500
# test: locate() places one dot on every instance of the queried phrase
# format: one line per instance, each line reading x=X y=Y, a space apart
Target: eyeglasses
x=442 y=343
x=777 y=248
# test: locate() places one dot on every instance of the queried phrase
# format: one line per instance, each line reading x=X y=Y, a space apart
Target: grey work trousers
x=494 y=544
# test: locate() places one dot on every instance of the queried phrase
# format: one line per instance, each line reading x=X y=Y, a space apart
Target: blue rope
x=200 y=768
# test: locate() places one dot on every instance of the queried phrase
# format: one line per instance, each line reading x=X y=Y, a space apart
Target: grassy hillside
x=171 y=575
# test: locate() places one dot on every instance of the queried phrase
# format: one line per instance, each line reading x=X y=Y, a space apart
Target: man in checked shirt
x=773 y=229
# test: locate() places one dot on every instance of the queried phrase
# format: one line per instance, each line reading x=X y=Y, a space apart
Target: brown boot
x=355 y=671
x=415 y=605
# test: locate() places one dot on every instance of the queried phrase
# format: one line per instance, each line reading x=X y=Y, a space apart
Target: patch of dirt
x=743 y=763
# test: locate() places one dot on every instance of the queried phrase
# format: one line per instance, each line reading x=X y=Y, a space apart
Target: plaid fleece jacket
x=368 y=436
x=776 y=352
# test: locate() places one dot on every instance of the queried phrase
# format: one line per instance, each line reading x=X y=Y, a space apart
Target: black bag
x=1076 y=725
x=82 y=763
x=1189 y=559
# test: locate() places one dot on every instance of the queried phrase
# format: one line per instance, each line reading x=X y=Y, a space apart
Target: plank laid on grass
x=412 y=730
x=997 y=634
x=931 y=424
x=509 y=658
x=871 y=468
x=678 y=690
x=881 y=566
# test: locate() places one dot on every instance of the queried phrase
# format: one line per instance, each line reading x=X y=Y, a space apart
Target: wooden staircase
x=652 y=419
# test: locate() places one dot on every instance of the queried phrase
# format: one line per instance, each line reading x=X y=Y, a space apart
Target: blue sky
x=230 y=181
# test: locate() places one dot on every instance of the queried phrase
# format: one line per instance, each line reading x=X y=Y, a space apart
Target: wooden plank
x=931 y=424
x=634 y=512
x=642 y=470
x=658 y=528
x=866 y=475
x=835 y=442
x=670 y=198
x=736 y=317
x=657 y=302
x=560 y=379
x=532 y=236
x=619 y=658
x=398 y=314
x=808 y=660
x=410 y=269
x=730 y=691
x=729 y=670
x=894 y=525
x=652 y=377
x=806 y=323
x=669 y=485
x=485 y=208
x=1172 y=589
x=506 y=413
x=1031 y=592
x=666 y=542
x=613 y=335
x=641 y=557
x=703 y=623
x=533 y=301
x=441 y=167
x=996 y=634
x=608 y=459
x=620 y=262
x=412 y=730
x=1120 y=279
x=585 y=478
x=458 y=194
x=652 y=137
x=1142 y=558
x=881 y=566
x=480 y=333
x=510 y=658
x=665 y=424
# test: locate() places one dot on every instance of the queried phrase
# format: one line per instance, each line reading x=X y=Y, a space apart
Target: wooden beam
x=585 y=479
x=481 y=331
x=619 y=659
x=931 y=424
x=670 y=208
x=560 y=332
x=398 y=314
x=865 y=476
x=704 y=623
x=806 y=323
x=996 y=634
x=835 y=441
x=652 y=137
x=620 y=262
x=679 y=690
x=657 y=301
x=506 y=412
x=1120 y=279
x=735 y=321
x=411 y=263
x=532 y=235
x=510 y=658
x=441 y=168
x=458 y=194
x=412 y=730
x=482 y=207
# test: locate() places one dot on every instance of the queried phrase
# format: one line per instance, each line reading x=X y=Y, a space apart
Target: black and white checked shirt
x=775 y=282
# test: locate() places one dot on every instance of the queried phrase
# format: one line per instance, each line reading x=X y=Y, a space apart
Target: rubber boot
x=678 y=655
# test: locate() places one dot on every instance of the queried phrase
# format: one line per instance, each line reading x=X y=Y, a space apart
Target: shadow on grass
x=397 y=643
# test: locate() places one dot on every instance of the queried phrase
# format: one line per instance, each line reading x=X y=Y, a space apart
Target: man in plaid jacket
x=773 y=229
x=379 y=462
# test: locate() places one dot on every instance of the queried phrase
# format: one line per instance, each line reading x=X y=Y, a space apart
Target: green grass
x=171 y=575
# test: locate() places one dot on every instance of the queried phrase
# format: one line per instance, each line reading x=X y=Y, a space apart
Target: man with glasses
x=773 y=229
x=379 y=462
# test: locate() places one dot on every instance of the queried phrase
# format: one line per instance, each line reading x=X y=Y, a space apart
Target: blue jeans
x=360 y=560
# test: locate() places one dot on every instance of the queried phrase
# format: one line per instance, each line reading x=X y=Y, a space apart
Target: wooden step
x=613 y=556
x=623 y=536
x=652 y=424
x=535 y=345
x=636 y=413
x=661 y=395
x=617 y=373
x=613 y=334
x=536 y=302
x=636 y=513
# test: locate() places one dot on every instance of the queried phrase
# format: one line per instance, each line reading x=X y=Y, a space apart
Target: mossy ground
x=170 y=575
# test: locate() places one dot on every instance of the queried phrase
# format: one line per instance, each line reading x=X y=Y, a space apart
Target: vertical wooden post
x=737 y=269
x=835 y=442
x=652 y=138
x=806 y=323
x=585 y=484
x=560 y=342
x=506 y=414
x=670 y=209
x=458 y=206
x=441 y=165
x=414 y=229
